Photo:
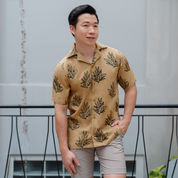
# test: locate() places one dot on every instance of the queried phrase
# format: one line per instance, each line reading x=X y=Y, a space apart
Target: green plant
x=159 y=172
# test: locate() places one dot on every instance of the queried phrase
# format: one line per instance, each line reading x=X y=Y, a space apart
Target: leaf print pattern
x=72 y=71
x=62 y=65
x=97 y=75
x=73 y=52
x=85 y=111
x=100 y=48
x=111 y=91
x=111 y=60
x=116 y=106
x=110 y=119
x=99 y=136
x=124 y=84
x=83 y=140
x=99 y=106
x=76 y=100
x=66 y=102
x=127 y=67
x=116 y=134
x=119 y=62
x=73 y=124
x=72 y=111
x=57 y=85
x=94 y=56
x=86 y=80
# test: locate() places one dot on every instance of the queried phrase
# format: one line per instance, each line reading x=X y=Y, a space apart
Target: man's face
x=86 y=31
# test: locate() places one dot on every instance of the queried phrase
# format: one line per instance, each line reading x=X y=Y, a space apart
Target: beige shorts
x=111 y=158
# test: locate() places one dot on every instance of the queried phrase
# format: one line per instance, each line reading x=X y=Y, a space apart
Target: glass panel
x=29 y=176
x=18 y=170
x=66 y=172
x=129 y=165
x=34 y=167
x=96 y=167
x=35 y=176
x=51 y=167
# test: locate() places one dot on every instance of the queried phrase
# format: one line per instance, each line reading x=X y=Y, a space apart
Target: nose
x=91 y=30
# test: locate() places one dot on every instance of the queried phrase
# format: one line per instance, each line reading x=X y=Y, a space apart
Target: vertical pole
x=136 y=145
x=170 y=146
x=45 y=148
x=144 y=146
x=9 y=146
x=20 y=147
x=55 y=146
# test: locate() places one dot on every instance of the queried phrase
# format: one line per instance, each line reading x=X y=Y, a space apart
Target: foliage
x=158 y=172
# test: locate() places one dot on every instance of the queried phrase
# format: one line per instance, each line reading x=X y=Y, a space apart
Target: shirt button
x=93 y=133
x=94 y=100
x=94 y=117
x=94 y=83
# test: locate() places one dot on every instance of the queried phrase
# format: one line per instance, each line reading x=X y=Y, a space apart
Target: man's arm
x=61 y=128
x=129 y=105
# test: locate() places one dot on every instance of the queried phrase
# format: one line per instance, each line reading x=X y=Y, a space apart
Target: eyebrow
x=89 y=22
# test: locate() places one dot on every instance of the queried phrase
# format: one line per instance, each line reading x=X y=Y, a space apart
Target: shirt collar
x=73 y=51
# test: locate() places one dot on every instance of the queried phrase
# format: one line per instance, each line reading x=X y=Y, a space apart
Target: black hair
x=82 y=9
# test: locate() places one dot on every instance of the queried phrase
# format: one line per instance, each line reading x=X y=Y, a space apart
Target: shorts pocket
x=117 y=144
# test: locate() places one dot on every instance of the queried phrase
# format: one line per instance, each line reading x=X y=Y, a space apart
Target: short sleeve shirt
x=91 y=92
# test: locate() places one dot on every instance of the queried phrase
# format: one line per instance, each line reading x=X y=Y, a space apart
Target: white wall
x=161 y=76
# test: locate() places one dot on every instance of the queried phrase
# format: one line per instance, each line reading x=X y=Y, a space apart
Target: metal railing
x=139 y=117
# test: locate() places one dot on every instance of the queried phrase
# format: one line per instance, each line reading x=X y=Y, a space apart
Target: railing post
x=136 y=145
x=55 y=145
x=174 y=169
x=45 y=147
x=144 y=146
x=9 y=147
x=177 y=129
x=20 y=147
x=170 y=146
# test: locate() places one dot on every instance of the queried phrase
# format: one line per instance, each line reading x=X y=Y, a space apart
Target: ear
x=72 y=29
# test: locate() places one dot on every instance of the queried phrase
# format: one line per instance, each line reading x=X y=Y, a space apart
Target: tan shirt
x=91 y=92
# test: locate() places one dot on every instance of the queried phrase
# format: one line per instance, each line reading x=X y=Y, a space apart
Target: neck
x=86 y=51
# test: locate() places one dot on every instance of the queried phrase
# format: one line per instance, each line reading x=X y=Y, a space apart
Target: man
x=86 y=82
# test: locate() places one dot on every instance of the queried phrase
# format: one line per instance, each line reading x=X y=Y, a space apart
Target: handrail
x=120 y=106
x=51 y=118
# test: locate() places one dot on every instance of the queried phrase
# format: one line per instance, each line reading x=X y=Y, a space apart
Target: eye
x=85 y=25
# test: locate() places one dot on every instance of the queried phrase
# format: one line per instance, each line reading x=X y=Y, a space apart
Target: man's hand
x=123 y=125
x=68 y=159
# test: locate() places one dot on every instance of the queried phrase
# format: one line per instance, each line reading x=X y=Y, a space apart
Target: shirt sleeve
x=125 y=77
x=61 y=89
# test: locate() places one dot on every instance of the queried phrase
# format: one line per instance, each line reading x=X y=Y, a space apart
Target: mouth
x=91 y=38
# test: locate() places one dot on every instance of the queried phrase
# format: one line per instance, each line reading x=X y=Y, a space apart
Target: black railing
x=139 y=117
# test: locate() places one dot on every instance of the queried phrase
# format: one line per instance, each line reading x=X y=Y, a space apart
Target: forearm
x=61 y=129
x=129 y=103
